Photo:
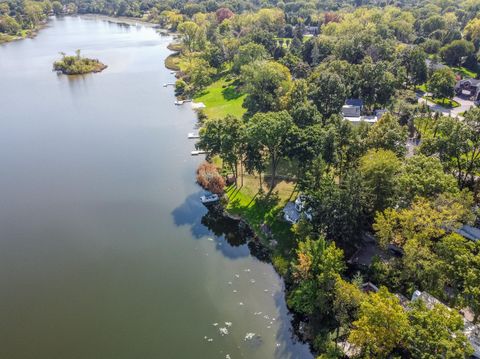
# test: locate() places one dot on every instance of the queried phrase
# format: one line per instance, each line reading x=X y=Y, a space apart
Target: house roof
x=434 y=65
x=292 y=213
x=429 y=299
x=354 y=102
x=469 y=232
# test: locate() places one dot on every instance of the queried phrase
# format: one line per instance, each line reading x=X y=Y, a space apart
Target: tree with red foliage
x=209 y=178
x=223 y=13
x=331 y=17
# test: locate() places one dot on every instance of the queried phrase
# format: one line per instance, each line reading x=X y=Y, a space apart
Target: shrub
x=209 y=178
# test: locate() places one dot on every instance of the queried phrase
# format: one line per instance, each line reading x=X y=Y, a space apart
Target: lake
x=103 y=253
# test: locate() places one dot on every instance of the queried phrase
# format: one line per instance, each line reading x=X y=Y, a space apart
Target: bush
x=280 y=264
x=209 y=178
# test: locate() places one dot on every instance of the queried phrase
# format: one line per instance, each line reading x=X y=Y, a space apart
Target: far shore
x=119 y=20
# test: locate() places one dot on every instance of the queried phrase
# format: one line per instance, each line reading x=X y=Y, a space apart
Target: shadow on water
x=190 y=213
x=230 y=239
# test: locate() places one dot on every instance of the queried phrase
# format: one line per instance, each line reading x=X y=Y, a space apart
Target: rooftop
x=469 y=232
x=290 y=213
x=354 y=102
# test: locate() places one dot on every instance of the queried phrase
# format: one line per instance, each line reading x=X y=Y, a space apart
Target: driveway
x=454 y=112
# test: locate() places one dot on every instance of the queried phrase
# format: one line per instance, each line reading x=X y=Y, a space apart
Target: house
x=471 y=331
x=433 y=65
x=469 y=232
x=310 y=30
x=352 y=111
x=353 y=107
x=367 y=250
x=428 y=299
x=369 y=287
x=293 y=211
x=469 y=88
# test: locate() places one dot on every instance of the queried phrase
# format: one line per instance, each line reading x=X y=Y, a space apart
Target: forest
x=386 y=200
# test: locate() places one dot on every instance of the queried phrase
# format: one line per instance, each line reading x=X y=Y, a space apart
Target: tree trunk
x=241 y=173
x=273 y=174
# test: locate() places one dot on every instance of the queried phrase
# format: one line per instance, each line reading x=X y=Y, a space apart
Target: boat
x=178 y=103
x=169 y=84
x=193 y=135
x=197 y=152
x=211 y=198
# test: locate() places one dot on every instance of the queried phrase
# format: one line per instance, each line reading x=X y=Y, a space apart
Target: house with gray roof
x=469 y=88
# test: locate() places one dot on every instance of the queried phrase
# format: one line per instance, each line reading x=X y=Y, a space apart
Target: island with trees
x=346 y=135
x=77 y=65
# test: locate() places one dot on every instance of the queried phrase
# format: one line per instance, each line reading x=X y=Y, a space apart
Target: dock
x=193 y=135
x=197 y=152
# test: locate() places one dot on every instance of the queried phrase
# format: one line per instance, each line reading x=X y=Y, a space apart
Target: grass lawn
x=221 y=98
x=447 y=103
x=422 y=87
x=256 y=208
x=465 y=72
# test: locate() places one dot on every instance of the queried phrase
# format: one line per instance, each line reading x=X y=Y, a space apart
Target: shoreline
x=257 y=248
x=132 y=21
x=29 y=34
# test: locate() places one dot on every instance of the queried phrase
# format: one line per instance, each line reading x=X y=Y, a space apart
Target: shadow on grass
x=230 y=93
x=202 y=93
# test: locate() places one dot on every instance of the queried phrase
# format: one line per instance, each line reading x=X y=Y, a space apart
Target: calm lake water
x=103 y=253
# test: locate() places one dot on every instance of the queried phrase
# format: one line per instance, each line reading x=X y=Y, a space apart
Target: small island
x=77 y=65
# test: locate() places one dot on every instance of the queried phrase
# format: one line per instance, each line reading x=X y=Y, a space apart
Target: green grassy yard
x=221 y=98
x=464 y=72
x=444 y=102
x=257 y=208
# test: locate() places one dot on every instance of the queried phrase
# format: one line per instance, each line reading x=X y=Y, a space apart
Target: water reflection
x=190 y=213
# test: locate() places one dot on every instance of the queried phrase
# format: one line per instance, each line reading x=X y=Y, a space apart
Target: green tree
x=247 y=54
x=379 y=170
x=382 y=325
x=267 y=84
x=199 y=73
x=424 y=177
x=269 y=131
x=436 y=333
x=374 y=82
x=57 y=8
x=457 y=143
x=9 y=25
x=460 y=263
x=472 y=31
x=413 y=59
x=225 y=137
x=388 y=134
x=315 y=272
x=193 y=36
x=442 y=84
x=425 y=220
x=454 y=52
x=328 y=92
x=346 y=304
x=338 y=209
